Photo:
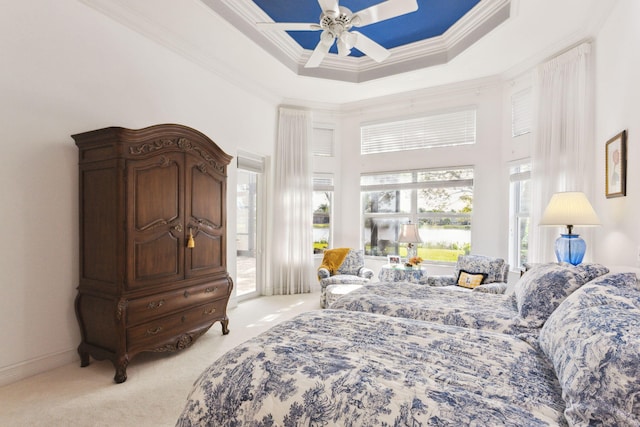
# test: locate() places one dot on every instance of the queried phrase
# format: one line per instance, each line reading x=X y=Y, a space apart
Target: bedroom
x=72 y=69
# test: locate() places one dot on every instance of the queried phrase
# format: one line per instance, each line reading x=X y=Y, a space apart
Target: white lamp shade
x=409 y=234
x=570 y=208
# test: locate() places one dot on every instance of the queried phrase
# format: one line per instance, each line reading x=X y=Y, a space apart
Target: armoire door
x=204 y=211
x=155 y=220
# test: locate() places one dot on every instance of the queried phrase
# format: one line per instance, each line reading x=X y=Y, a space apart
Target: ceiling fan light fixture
x=343 y=48
x=327 y=38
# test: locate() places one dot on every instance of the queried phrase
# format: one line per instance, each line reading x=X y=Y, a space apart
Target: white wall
x=617 y=108
x=68 y=69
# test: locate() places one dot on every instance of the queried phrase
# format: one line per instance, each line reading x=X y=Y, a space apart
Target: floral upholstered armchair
x=478 y=273
x=342 y=266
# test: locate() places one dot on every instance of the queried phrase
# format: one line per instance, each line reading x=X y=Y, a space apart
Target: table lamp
x=409 y=234
x=570 y=208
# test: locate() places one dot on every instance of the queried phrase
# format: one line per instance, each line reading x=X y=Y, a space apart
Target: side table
x=400 y=273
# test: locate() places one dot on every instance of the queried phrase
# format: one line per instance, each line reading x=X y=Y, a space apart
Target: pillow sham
x=591 y=270
x=541 y=289
x=592 y=340
x=470 y=280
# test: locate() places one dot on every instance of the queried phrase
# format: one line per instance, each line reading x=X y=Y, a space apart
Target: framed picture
x=616 y=166
x=393 y=259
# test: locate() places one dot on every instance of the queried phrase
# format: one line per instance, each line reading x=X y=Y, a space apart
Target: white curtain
x=562 y=156
x=291 y=235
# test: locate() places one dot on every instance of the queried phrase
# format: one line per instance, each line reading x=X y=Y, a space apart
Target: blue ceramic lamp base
x=570 y=248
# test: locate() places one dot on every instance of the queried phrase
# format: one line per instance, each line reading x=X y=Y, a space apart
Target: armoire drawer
x=143 y=309
x=171 y=327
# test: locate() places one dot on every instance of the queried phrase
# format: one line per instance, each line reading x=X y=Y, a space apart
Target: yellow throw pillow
x=470 y=280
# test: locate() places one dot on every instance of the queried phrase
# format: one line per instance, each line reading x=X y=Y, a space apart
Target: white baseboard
x=28 y=368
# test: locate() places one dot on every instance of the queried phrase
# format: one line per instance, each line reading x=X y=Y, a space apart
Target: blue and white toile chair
x=477 y=273
x=342 y=271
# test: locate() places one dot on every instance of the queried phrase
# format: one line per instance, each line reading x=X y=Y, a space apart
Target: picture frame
x=616 y=166
x=393 y=259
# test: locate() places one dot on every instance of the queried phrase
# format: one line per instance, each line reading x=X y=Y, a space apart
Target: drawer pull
x=186 y=294
x=154 y=331
x=155 y=304
x=210 y=311
x=211 y=289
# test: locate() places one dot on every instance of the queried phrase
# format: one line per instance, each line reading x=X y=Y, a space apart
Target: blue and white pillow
x=593 y=341
x=591 y=270
x=543 y=288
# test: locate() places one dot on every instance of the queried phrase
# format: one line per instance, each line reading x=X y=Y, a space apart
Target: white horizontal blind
x=249 y=162
x=322 y=182
x=521 y=112
x=435 y=130
x=322 y=144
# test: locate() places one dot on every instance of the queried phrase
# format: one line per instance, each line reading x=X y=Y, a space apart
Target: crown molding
x=479 y=21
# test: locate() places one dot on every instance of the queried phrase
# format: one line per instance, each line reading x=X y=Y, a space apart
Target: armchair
x=493 y=271
x=342 y=266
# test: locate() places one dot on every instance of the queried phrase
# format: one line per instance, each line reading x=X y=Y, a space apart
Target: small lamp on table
x=570 y=208
x=409 y=234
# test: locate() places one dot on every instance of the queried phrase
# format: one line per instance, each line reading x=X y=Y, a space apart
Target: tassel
x=191 y=243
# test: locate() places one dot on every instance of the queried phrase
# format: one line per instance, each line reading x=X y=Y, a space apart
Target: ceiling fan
x=336 y=23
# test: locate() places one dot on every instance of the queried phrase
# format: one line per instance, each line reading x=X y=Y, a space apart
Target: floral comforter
x=475 y=310
x=336 y=367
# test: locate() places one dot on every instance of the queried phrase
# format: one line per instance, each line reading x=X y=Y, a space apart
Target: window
x=322 y=202
x=440 y=201
x=520 y=213
x=521 y=113
x=435 y=130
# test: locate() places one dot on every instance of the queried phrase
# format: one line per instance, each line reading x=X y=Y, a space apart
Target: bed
x=523 y=311
x=344 y=368
x=338 y=367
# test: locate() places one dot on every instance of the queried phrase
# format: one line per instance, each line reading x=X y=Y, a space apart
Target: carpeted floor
x=157 y=385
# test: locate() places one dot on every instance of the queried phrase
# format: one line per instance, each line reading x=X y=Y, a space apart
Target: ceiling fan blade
x=386 y=10
x=322 y=48
x=329 y=5
x=370 y=48
x=287 y=26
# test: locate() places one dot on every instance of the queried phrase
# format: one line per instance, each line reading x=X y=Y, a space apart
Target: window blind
x=250 y=162
x=521 y=112
x=322 y=182
x=435 y=130
x=322 y=144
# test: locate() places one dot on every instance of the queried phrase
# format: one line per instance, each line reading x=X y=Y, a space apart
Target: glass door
x=247 y=235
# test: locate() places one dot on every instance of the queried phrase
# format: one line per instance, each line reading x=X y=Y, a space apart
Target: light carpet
x=157 y=384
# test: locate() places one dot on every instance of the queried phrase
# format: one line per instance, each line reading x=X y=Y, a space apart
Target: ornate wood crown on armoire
x=153 y=271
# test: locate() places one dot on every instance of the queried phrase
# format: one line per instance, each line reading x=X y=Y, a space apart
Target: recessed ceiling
x=221 y=37
x=432 y=35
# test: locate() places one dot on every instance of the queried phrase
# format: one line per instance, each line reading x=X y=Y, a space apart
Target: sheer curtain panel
x=562 y=156
x=292 y=230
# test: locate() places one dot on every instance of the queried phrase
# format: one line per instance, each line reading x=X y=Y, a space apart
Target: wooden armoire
x=153 y=271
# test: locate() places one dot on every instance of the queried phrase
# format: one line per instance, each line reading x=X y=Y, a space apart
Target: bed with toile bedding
x=523 y=311
x=351 y=368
